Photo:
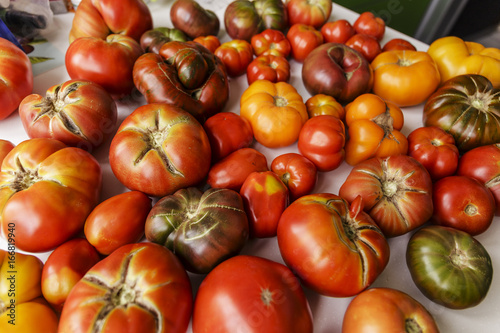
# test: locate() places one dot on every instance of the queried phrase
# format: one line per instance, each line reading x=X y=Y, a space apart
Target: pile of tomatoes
x=196 y=190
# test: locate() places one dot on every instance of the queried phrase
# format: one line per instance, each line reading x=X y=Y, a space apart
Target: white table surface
x=327 y=311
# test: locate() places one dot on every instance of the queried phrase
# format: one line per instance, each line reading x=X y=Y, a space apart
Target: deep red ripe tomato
x=227 y=132
x=210 y=42
x=5 y=147
x=338 y=31
x=322 y=140
x=268 y=67
x=303 y=39
x=365 y=44
x=313 y=13
x=256 y=295
x=297 y=172
x=463 y=203
x=368 y=23
x=435 y=149
x=272 y=42
x=236 y=55
x=84 y=60
x=398 y=44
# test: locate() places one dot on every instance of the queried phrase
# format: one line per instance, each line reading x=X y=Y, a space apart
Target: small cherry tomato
x=337 y=31
x=268 y=67
x=303 y=39
x=271 y=41
x=324 y=104
x=297 y=172
x=236 y=55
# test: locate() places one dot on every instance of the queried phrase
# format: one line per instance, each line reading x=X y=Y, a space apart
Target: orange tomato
x=374 y=129
x=276 y=112
x=321 y=104
x=405 y=77
x=30 y=317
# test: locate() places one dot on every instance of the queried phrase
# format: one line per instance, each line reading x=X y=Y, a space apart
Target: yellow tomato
x=322 y=104
x=276 y=112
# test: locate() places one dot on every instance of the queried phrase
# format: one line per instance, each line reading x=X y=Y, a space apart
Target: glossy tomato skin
x=231 y=171
x=271 y=41
x=463 y=203
x=368 y=23
x=396 y=191
x=435 y=150
x=5 y=147
x=314 y=13
x=40 y=314
x=365 y=44
x=398 y=44
x=320 y=104
x=210 y=42
x=47 y=189
x=16 y=75
x=140 y=287
x=297 y=172
x=268 y=67
x=227 y=132
x=201 y=228
x=152 y=40
x=264 y=296
x=189 y=16
x=338 y=31
x=78 y=113
x=449 y=266
x=64 y=267
x=396 y=312
x=303 y=39
x=156 y=148
x=322 y=140
x=236 y=55
x=84 y=61
x=335 y=248
x=481 y=163
x=117 y=221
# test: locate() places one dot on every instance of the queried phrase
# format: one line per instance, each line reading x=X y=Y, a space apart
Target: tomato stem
x=411 y=326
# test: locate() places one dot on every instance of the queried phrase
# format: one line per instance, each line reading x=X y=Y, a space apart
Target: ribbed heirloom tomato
x=236 y=55
x=313 y=13
x=272 y=42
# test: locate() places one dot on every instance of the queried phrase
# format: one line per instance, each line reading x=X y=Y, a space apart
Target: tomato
x=321 y=104
x=396 y=312
x=186 y=75
x=139 y=287
x=265 y=198
x=64 y=267
x=210 y=42
x=84 y=61
x=117 y=221
x=227 y=132
x=158 y=149
x=5 y=147
x=322 y=140
x=449 y=266
x=303 y=39
x=367 y=45
x=77 y=112
x=232 y=170
x=236 y=55
x=47 y=188
x=396 y=191
x=405 y=77
x=152 y=40
x=201 y=228
x=297 y=172
x=16 y=76
x=435 y=150
x=195 y=20
x=257 y=295
x=368 y=23
x=313 y=13
x=270 y=41
x=463 y=203
x=29 y=317
x=104 y=17
x=398 y=44
x=468 y=107
x=334 y=248
x=268 y=67
x=338 y=31
x=374 y=129
x=482 y=164
x=276 y=112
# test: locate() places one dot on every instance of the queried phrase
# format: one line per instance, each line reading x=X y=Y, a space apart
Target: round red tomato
x=297 y=172
x=271 y=41
x=398 y=44
x=463 y=203
x=236 y=55
x=303 y=39
x=268 y=67
x=368 y=23
x=252 y=295
x=140 y=287
x=313 y=13
x=365 y=44
x=338 y=31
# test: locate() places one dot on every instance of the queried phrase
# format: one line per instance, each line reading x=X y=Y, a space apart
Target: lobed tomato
x=324 y=104
x=210 y=42
x=297 y=172
x=236 y=55
x=365 y=44
x=313 y=13
x=338 y=31
x=303 y=39
x=272 y=42
x=268 y=67
x=368 y=23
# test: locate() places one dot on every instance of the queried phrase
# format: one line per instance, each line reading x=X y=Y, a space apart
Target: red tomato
x=5 y=147
x=398 y=44
x=297 y=172
x=435 y=149
x=322 y=140
x=272 y=42
x=231 y=171
x=338 y=31
x=140 y=287
x=16 y=76
x=210 y=42
x=227 y=132
x=64 y=267
x=303 y=39
x=313 y=13
x=335 y=249
x=158 y=149
x=48 y=190
x=236 y=55
x=257 y=295
x=113 y=72
x=368 y=23
x=463 y=203
x=365 y=44
x=268 y=67
x=265 y=197
x=117 y=221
